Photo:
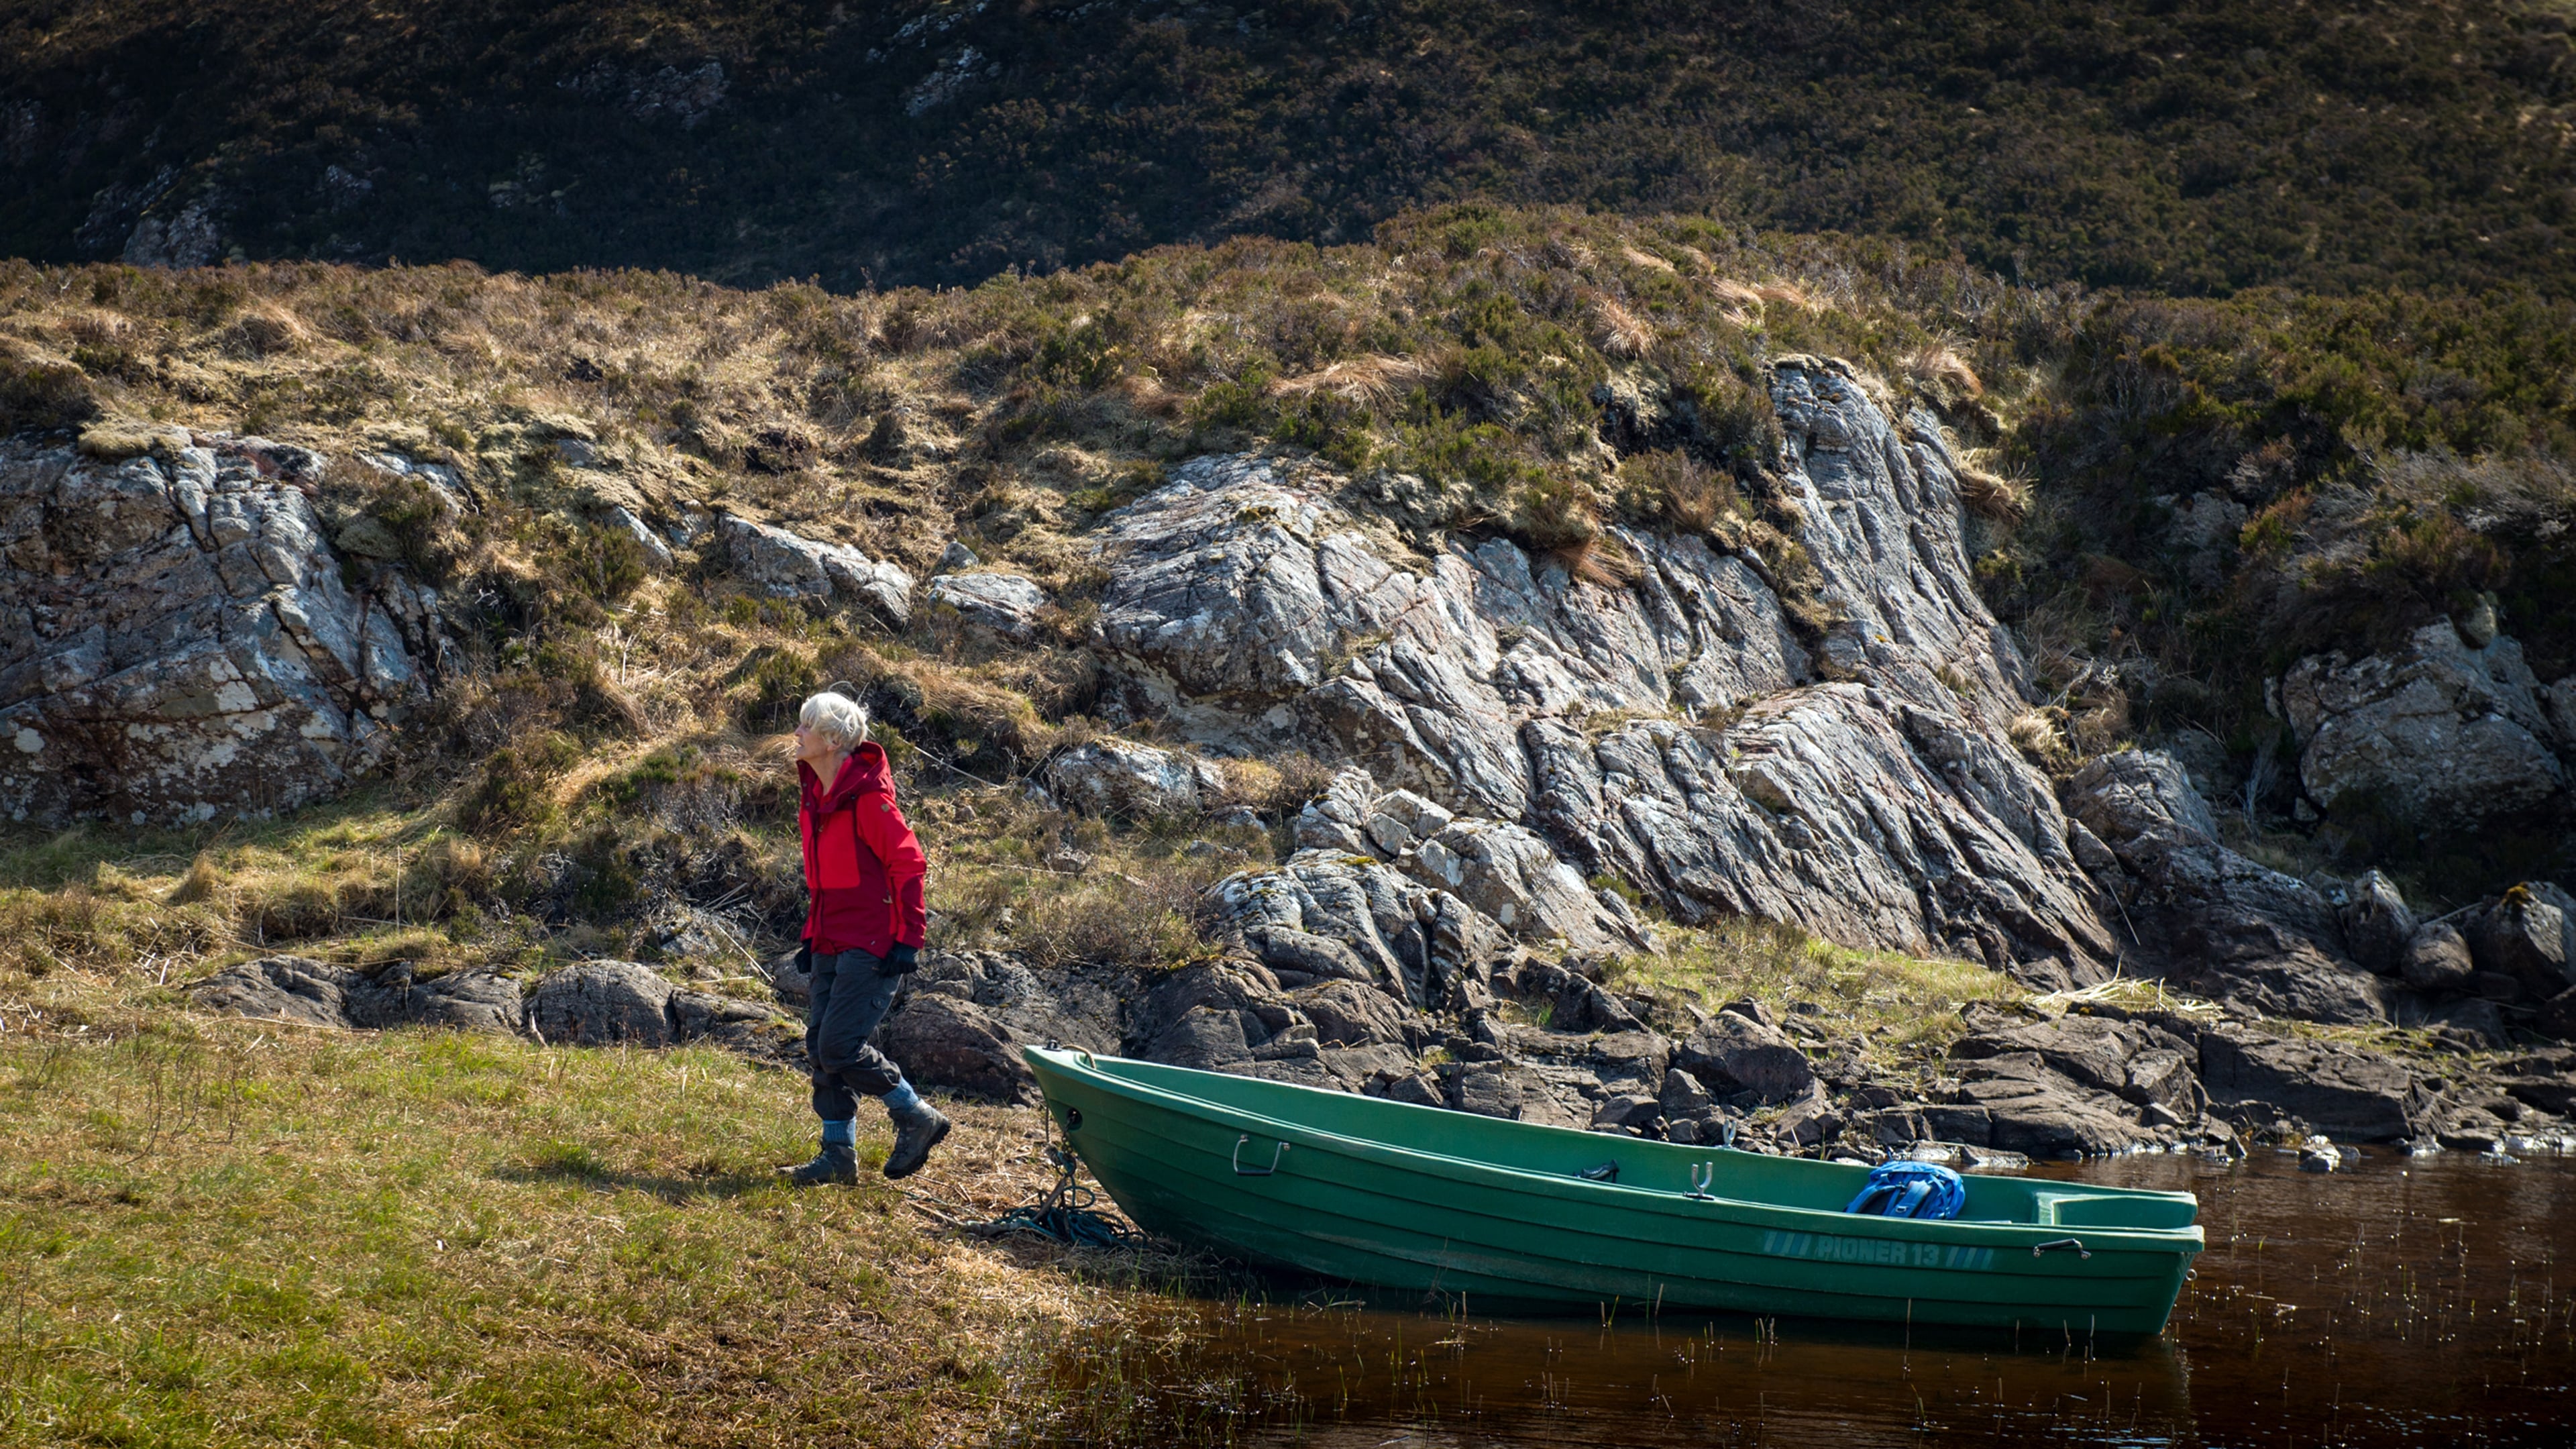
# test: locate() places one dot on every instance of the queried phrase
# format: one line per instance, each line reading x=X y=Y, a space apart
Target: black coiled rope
x=1063 y=1214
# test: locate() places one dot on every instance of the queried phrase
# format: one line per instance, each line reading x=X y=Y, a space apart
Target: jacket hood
x=864 y=772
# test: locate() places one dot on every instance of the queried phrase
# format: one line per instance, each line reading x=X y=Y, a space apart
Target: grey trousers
x=851 y=994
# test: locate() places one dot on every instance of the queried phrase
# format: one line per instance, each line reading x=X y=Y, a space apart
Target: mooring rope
x=1063 y=1214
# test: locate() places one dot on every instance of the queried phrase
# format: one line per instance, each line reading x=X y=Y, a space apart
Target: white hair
x=836 y=717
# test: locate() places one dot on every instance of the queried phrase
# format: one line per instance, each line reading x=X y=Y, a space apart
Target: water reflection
x=2408 y=1301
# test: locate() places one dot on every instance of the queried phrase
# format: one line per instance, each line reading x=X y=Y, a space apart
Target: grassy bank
x=217 y=1232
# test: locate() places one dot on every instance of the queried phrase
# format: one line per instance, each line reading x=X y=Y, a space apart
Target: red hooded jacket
x=863 y=868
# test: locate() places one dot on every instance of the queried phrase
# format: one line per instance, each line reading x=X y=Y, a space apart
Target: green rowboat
x=1399 y=1196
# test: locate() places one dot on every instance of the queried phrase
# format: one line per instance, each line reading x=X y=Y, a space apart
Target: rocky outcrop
x=2440 y=734
x=2207 y=918
x=788 y=565
x=315 y=993
x=184 y=640
x=589 y=1003
x=1864 y=792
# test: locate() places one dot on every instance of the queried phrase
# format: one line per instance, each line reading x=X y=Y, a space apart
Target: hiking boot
x=835 y=1163
x=915 y=1132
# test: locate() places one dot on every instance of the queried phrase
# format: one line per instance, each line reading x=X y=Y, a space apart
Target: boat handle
x=1703 y=1177
x=1277 y=1152
x=1083 y=1056
x=2076 y=1243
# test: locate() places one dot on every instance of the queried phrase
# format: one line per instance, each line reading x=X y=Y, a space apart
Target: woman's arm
x=886 y=832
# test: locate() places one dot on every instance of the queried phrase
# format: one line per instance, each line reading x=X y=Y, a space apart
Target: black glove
x=902 y=958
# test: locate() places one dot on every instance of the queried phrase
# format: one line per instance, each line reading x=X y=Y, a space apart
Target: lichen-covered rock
x=182 y=644
x=788 y=565
x=1002 y=606
x=1247 y=606
x=2439 y=734
x=1137 y=782
x=1510 y=874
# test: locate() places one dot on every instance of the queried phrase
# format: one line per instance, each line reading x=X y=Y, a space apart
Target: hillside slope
x=2185 y=148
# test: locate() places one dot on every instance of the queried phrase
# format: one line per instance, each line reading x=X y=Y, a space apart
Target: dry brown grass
x=2002 y=497
x=1938 y=372
x=1648 y=260
x=1618 y=331
x=1376 y=378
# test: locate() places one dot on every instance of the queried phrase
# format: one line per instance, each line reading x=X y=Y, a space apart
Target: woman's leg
x=863 y=993
x=838 y=1159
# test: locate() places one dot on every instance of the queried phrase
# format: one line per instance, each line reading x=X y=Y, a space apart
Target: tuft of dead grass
x=2004 y=498
x=1938 y=372
x=1618 y=331
x=1376 y=379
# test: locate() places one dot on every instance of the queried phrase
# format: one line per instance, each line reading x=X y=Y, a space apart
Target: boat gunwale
x=2189 y=1239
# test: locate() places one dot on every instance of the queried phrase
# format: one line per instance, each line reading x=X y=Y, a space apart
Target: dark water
x=2406 y=1301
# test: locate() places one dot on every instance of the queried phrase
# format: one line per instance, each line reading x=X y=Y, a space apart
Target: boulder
x=963 y=1016
x=186 y=644
x=2210 y=919
x=2437 y=959
x=1732 y=1053
x=2031 y=1109
x=278 y=988
x=2139 y=1062
x=2529 y=935
x=1133 y=781
x=2338 y=1090
x=1000 y=606
x=2377 y=926
x=2441 y=734
x=787 y=565
x=752 y=1028
x=603 y=1003
x=1382 y=919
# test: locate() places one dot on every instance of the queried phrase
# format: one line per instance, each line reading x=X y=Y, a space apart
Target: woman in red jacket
x=863 y=872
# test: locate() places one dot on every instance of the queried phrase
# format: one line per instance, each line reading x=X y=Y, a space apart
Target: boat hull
x=1366 y=1191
